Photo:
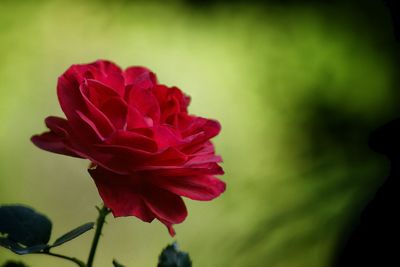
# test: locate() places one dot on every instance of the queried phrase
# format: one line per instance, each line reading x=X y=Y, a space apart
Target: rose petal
x=120 y=159
x=172 y=102
x=107 y=101
x=102 y=122
x=199 y=132
x=58 y=125
x=202 y=188
x=111 y=75
x=88 y=130
x=51 y=142
x=133 y=140
x=103 y=71
x=135 y=119
x=69 y=83
x=116 y=111
x=121 y=194
x=144 y=100
x=56 y=140
x=200 y=159
x=168 y=157
x=136 y=75
x=201 y=169
x=167 y=207
x=130 y=195
x=166 y=136
x=69 y=96
x=210 y=128
x=97 y=92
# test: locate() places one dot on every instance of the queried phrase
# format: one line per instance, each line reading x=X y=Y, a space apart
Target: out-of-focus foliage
x=24 y=231
x=172 y=256
x=296 y=87
x=23 y=225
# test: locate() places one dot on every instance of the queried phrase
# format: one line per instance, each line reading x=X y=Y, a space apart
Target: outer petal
x=132 y=195
x=167 y=207
x=209 y=128
x=133 y=140
x=74 y=103
x=198 y=132
x=97 y=92
x=122 y=194
x=93 y=112
x=203 y=188
x=110 y=74
x=118 y=158
x=57 y=140
x=185 y=170
x=125 y=160
x=200 y=159
x=137 y=75
x=69 y=95
x=101 y=70
x=205 y=154
x=86 y=130
x=107 y=101
x=69 y=83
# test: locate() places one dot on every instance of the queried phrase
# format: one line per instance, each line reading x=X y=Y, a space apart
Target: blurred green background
x=297 y=86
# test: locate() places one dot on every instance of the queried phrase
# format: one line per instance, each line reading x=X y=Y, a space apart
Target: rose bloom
x=146 y=151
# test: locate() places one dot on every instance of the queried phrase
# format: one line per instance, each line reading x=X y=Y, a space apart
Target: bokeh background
x=297 y=85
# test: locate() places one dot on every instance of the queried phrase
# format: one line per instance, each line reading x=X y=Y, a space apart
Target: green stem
x=75 y=260
x=103 y=212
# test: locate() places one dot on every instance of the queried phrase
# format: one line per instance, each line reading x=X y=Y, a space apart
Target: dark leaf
x=24 y=226
x=116 y=264
x=18 y=249
x=171 y=256
x=14 y=264
x=73 y=234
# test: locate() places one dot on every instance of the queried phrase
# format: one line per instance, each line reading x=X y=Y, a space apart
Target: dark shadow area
x=371 y=239
x=394 y=9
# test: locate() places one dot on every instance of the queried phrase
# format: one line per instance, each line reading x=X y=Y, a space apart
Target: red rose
x=146 y=150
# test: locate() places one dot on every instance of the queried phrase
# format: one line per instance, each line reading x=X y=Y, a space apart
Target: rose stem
x=103 y=212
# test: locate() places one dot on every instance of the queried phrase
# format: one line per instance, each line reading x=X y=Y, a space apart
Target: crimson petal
x=135 y=75
x=121 y=194
x=169 y=208
x=56 y=140
x=202 y=188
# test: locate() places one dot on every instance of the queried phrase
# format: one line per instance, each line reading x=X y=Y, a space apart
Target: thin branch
x=75 y=260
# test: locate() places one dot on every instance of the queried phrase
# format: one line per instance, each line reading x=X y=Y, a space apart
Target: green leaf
x=24 y=225
x=14 y=264
x=25 y=231
x=171 y=256
x=73 y=234
x=116 y=264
